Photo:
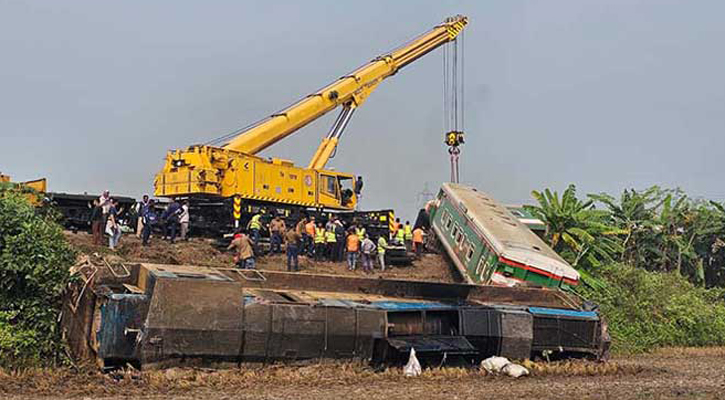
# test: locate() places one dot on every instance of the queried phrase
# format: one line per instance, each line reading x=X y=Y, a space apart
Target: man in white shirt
x=184 y=219
x=105 y=202
x=368 y=254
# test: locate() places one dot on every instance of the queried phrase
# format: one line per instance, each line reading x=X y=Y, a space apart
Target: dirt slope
x=203 y=253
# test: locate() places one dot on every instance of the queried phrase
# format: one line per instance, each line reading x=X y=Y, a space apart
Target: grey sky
x=604 y=94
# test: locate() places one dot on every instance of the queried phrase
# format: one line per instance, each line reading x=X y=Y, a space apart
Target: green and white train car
x=489 y=245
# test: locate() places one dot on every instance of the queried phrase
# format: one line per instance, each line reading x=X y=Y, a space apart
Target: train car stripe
x=536 y=270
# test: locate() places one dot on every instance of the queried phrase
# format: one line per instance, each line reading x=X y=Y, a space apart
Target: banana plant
x=582 y=234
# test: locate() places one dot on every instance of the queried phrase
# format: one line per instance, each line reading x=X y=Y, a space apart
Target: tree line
x=654 y=229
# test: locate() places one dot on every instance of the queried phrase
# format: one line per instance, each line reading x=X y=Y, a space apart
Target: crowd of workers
x=105 y=218
x=332 y=241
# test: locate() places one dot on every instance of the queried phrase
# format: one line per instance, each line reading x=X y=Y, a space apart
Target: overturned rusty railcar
x=150 y=315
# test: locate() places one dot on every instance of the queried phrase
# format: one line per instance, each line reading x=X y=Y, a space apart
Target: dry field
x=665 y=374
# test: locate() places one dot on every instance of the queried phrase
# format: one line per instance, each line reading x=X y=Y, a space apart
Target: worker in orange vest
x=396 y=226
x=418 y=237
x=309 y=237
x=353 y=247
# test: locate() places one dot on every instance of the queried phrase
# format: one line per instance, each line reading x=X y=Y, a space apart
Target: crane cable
x=453 y=106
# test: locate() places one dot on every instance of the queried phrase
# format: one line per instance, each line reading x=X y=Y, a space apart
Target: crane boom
x=350 y=91
x=209 y=173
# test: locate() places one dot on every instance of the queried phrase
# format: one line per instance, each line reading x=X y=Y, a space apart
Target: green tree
x=667 y=231
x=635 y=211
x=34 y=270
x=581 y=234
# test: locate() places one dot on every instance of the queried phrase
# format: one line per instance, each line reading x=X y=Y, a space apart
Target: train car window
x=459 y=235
x=454 y=232
x=479 y=267
x=469 y=253
x=490 y=267
x=484 y=250
x=449 y=221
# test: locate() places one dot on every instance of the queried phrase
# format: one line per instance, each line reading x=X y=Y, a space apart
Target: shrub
x=34 y=262
x=653 y=309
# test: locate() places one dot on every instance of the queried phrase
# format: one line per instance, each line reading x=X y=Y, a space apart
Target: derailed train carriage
x=150 y=315
x=489 y=245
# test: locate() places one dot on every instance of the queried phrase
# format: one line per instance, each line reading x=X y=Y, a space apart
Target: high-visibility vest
x=255 y=224
x=310 y=228
x=408 y=232
x=330 y=235
x=400 y=235
x=418 y=236
x=320 y=236
x=360 y=232
x=382 y=244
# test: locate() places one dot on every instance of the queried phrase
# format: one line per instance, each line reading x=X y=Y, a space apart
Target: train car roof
x=506 y=233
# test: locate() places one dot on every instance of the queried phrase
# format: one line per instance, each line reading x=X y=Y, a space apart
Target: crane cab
x=336 y=190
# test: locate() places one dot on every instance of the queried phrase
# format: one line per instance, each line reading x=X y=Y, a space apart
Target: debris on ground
x=412 y=368
x=494 y=365
x=514 y=370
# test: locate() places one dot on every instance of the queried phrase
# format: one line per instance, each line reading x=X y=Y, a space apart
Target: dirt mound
x=193 y=252
x=202 y=252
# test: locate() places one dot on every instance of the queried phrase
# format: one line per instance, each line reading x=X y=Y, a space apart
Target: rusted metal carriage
x=151 y=315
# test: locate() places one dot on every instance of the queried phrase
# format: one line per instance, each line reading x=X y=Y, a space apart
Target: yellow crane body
x=39 y=186
x=233 y=169
x=251 y=177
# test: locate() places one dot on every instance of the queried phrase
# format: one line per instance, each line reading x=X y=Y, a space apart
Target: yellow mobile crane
x=233 y=169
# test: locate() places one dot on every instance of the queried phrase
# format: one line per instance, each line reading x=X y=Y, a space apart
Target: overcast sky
x=603 y=94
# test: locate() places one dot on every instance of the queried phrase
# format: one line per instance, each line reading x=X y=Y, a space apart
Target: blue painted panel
x=561 y=312
x=402 y=306
x=119 y=312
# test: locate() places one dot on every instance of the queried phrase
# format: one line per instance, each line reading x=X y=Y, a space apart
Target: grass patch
x=646 y=310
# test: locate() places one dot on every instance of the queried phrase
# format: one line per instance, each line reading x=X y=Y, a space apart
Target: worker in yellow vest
x=400 y=235
x=382 y=246
x=408 y=235
x=255 y=224
x=320 y=240
x=331 y=244
x=360 y=232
